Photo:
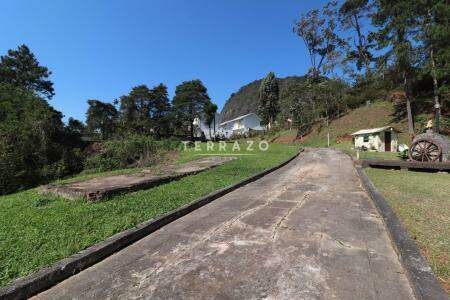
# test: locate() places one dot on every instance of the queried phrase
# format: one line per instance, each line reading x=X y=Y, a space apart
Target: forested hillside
x=361 y=52
x=246 y=99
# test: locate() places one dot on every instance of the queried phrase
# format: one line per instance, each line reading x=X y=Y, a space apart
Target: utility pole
x=437 y=116
x=328 y=133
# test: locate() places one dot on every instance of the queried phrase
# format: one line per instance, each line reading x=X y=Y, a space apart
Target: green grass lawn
x=37 y=231
x=347 y=147
x=422 y=203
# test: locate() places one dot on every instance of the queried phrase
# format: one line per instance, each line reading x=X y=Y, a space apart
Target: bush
x=132 y=151
x=71 y=162
x=35 y=146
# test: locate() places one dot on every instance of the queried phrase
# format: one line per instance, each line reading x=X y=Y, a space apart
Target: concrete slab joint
x=307 y=230
x=37 y=282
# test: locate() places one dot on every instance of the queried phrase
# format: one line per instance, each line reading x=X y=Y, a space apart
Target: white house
x=241 y=125
x=383 y=139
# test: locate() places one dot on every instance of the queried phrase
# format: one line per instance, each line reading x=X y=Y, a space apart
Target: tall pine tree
x=21 y=69
x=396 y=21
x=435 y=36
x=189 y=102
x=352 y=14
x=209 y=113
x=159 y=111
x=268 y=99
x=101 y=118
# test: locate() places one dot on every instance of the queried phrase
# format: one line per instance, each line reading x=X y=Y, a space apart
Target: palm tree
x=209 y=111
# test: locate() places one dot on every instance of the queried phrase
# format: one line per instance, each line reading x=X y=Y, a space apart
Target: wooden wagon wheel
x=425 y=151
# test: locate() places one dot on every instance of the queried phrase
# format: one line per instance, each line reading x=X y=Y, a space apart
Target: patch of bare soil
x=169 y=157
x=344 y=138
x=155 y=159
x=284 y=139
x=92 y=149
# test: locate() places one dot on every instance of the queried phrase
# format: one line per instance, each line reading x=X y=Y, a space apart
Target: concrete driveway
x=306 y=231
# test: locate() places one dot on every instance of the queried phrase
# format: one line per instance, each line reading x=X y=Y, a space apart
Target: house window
x=366 y=138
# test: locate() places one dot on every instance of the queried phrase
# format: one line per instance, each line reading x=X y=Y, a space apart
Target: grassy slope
x=36 y=231
x=378 y=114
x=421 y=201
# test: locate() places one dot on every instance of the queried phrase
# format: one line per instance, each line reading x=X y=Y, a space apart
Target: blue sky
x=100 y=49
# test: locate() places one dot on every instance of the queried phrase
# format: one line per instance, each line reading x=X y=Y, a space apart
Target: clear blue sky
x=100 y=49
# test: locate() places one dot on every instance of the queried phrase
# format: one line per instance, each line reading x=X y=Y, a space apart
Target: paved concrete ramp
x=306 y=231
x=97 y=188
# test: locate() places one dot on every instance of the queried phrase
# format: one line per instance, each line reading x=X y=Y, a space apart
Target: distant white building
x=241 y=125
x=383 y=139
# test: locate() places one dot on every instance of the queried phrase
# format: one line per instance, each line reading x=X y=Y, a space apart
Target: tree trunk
x=409 y=112
x=408 y=104
x=437 y=105
x=192 y=130
x=361 y=50
x=214 y=119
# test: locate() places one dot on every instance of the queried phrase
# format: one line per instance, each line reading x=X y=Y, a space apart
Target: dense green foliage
x=35 y=145
x=411 y=40
x=209 y=112
x=132 y=151
x=189 y=102
x=21 y=69
x=246 y=99
x=396 y=21
x=268 y=99
x=101 y=119
x=47 y=229
x=312 y=101
x=146 y=111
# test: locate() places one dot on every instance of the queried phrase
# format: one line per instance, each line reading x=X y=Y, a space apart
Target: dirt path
x=306 y=231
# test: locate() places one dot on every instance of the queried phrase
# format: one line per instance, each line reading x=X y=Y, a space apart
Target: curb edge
x=421 y=277
x=47 y=277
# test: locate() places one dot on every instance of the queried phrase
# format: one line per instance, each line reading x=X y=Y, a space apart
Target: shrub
x=131 y=151
x=35 y=145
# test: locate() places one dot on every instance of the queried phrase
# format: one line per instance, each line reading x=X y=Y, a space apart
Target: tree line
x=362 y=50
x=358 y=50
x=35 y=144
x=149 y=111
